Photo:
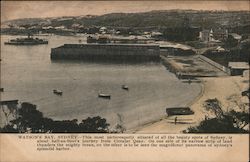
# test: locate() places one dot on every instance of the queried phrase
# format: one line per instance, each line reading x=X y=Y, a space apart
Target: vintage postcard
x=124 y=80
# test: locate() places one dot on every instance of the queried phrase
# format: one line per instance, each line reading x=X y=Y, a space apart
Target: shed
x=238 y=68
x=179 y=111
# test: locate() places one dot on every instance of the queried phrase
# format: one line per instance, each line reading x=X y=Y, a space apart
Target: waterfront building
x=238 y=68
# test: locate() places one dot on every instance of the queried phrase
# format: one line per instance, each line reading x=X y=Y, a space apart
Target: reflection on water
x=28 y=74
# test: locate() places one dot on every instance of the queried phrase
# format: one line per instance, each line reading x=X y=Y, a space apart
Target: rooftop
x=238 y=65
x=174 y=45
x=235 y=36
x=107 y=45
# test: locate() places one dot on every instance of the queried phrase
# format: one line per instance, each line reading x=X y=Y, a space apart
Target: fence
x=215 y=64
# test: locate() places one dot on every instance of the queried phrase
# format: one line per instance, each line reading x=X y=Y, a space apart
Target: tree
x=217 y=125
x=94 y=125
x=214 y=105
x=65 y=126
x=119 y=128
x=241 y=119
x=28 y=118
x=8 y=129
x=229 y=122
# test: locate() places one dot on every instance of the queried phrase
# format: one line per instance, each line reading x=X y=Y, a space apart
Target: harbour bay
x=28 y=74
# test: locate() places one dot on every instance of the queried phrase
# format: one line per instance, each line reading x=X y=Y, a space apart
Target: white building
x=206 y=35
x=216 y=35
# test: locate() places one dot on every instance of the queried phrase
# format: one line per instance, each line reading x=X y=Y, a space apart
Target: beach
x=226 y=89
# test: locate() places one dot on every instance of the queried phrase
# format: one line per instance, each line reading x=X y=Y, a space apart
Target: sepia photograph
x=125 y=67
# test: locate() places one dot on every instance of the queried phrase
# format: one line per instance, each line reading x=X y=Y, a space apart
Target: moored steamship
x=26 y=41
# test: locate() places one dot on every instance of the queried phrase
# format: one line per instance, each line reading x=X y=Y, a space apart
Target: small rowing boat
x=125 y=87
x=104 y=95
x=57 y=92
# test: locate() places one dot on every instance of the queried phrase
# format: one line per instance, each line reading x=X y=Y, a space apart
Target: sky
x=37 y=9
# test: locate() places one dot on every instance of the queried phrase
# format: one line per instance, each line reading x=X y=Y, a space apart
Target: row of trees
x=29 y=119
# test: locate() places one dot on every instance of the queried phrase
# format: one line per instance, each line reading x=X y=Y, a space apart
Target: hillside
x=153 y=19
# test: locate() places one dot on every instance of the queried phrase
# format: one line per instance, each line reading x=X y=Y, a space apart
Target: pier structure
x=120 y=40
x=109 y=52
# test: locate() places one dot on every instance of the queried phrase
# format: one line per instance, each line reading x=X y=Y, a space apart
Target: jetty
x=110 y=52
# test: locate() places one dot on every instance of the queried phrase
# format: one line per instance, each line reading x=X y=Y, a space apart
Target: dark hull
x=106 y=96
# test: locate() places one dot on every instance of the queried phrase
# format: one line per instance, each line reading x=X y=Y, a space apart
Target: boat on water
x=125 y=87
x=26 y=41
x=104 y=95
x=57 y=92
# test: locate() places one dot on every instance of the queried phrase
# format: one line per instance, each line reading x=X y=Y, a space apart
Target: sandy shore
x=226 y=89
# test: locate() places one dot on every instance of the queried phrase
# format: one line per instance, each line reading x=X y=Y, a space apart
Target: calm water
x=27 y=74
